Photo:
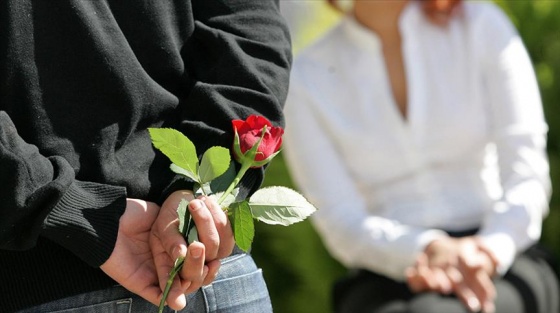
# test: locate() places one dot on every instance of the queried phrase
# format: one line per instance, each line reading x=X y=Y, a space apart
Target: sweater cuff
x=86 y=220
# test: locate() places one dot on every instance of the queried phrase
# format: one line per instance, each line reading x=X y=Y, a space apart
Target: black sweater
x=80 y=82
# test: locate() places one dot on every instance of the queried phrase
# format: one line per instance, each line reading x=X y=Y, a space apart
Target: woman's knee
x=436 y=303
x=534 y=284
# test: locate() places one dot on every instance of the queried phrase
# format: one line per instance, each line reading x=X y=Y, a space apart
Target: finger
x=221 y=221
x=487 y=293
x=140 y=273
x=479 y=283
x=412 y=274
x=427 y=276
x=166 y=227
x=442 y=282
x=166 y=241
x=164 y=265
x=213 y=268
x=163 y=261
x=462 y=289
x=194 y=271
x=482 y=287
x=207 y=231
x=477 y=278
x=417 y=281
x=176 y=299
x=454 y=275
x=194 y=286
x=414 y=281
x=150 y=293
x=491 y=261
x=467 y=296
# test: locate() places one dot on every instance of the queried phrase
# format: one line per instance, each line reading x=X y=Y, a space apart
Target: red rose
x=249 y=133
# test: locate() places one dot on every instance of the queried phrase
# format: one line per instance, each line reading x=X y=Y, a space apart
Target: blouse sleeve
x=354 y=236
x=519 y=131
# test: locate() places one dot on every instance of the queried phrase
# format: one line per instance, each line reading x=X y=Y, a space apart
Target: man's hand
x=131 y=263
x=202 y=259
x=461 y=266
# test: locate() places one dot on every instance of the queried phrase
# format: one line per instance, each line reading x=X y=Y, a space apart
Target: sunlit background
x=298 y=270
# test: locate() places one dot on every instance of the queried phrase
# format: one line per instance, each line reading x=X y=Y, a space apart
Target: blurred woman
x=417 y=129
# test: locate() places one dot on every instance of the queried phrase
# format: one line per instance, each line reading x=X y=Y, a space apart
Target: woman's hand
x=461 y=266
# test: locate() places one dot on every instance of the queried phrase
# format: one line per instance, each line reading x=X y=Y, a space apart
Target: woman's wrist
x=492 y=263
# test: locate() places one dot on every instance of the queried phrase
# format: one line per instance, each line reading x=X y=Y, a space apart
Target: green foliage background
x=298 y=270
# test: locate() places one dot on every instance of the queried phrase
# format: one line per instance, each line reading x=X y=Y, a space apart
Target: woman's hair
x=436 y=10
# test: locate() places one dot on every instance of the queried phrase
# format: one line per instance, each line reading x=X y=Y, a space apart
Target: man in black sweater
x=81 y=185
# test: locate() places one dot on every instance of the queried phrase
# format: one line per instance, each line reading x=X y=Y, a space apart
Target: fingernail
x=473 y=304
x=196 y=204
x=196 y=253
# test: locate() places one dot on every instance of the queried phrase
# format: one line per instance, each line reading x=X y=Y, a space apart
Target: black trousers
x=530 y=286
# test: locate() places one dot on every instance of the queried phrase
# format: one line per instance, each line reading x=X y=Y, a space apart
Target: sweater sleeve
x=40 y=197
x=238 y=61
x=519 y=130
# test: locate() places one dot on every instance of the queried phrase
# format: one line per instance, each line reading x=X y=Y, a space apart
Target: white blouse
x=471 y=152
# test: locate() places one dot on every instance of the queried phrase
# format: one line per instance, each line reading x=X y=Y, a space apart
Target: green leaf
x=176 y=146
x=200 y=190
x=242 y=223
x=230 y=198
x=181 y=171
x=218 y=185
x=215 y=162
x=184 y=216
x=186 y=223
x=192 y=236
x=278 y=205
x=222 y=182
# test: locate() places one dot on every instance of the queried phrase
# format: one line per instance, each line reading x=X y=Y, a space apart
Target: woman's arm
x=519 y=131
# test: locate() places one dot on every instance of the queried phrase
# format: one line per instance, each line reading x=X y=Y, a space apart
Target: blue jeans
x=238 y=288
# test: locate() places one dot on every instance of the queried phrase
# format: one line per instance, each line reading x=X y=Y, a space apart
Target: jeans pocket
x=116 y=306
x=246 y=293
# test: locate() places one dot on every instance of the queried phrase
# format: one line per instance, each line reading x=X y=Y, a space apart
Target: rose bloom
x=251 y=130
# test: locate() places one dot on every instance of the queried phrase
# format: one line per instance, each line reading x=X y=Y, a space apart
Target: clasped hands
x=462 y=266
x=148 y=242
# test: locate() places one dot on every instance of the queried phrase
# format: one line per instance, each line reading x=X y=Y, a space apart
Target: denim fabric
x=238 y=288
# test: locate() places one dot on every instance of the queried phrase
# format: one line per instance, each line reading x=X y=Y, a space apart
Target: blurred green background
x=296 y=266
